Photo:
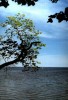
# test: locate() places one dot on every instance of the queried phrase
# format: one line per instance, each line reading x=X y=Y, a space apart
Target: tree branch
x=20 y=57
x=8 y=63
x=32 y=44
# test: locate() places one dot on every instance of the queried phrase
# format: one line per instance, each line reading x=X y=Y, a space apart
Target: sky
x=54 y=35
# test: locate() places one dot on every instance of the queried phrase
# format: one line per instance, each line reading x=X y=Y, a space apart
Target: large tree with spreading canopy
x=20 y=42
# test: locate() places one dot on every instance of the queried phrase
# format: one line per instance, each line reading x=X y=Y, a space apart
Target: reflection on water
x=41 y=85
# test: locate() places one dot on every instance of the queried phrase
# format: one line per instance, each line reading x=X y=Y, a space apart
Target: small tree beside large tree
x=20 y=42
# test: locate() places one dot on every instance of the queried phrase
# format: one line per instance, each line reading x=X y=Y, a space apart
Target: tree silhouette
x=20 y=41
x=59 y=16
x=5 y=3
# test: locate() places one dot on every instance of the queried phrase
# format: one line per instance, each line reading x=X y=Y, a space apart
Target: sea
x=46 y=83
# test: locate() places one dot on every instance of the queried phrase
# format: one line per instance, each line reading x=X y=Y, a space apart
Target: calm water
x=45 y=84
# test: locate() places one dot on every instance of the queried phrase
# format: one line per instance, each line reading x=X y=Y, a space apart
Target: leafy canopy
x=21 y=41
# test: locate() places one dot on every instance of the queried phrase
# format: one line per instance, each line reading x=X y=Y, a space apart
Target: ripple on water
x=40 y=85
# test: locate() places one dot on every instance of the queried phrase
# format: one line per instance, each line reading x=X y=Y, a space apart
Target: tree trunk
x=9 y=63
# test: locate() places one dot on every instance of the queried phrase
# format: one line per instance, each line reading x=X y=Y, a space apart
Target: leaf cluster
x=59 y=16
x=5 y=3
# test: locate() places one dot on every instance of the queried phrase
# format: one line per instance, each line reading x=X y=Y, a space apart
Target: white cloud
x=45 y=35
x=54 y=36
x=37 y=11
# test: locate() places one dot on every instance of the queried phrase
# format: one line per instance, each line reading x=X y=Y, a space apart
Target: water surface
x=44 y=84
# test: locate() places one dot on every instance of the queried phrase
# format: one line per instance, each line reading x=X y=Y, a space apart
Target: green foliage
x=18 y=37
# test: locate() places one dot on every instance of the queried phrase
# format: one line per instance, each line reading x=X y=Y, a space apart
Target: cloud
x=56 y=35
x=45 y=35
x=38 y=10
x=53 y=30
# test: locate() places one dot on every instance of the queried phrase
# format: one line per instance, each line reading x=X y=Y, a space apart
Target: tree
x=20 y=42
x=59 y=16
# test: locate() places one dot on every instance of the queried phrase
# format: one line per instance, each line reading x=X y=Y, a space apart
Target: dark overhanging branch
x=62 y=15
x=59 y=16
x=54 y=1
x=5 y=3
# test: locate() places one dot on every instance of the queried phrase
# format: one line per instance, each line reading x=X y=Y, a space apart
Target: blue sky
x=55 y=34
